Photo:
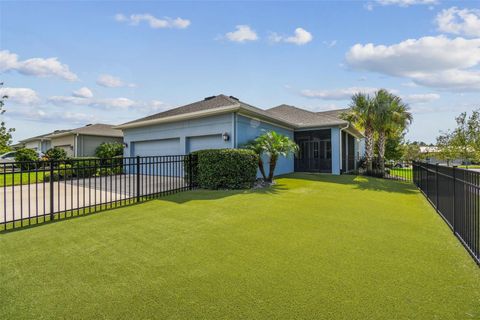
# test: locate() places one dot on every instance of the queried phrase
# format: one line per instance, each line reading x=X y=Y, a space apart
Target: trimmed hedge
x=225 y=168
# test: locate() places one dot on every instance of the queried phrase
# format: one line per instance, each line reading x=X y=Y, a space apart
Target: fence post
x=436 y=187
x=190 y=171
x=454 y=197
x=52 y=179
x=138 y=178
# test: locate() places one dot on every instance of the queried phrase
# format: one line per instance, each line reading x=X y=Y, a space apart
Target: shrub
x=85 y=167
x=108 y=150
x=27 y=155
x=63 y=172
x=56 y=154
x=225 y=168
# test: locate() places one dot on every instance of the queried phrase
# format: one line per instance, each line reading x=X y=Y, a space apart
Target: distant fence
x=42 y=191
x=455 y=194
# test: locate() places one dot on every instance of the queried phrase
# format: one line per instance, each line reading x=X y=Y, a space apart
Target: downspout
x=341 y=147
x=75 y=146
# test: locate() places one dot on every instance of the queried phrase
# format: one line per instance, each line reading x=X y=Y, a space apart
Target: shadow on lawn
x=358 y=182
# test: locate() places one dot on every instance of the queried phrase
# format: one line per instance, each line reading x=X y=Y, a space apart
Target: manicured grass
x=312 y=247
x=472 y=166
x=9 y=178
x=406 y=173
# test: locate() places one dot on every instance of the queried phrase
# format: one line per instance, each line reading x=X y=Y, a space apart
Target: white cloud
x=420 y=98
x=153 y=22
x=83 y=92
x=106 y=80
x=116 y=103
x=300 y=37
x=39 y=67
x=330 y=44
x=43 y=115
x=406 y=3
x=242 y=33
x=459 y=21
x=336 y=94
x=23 y=96
x=437 y=62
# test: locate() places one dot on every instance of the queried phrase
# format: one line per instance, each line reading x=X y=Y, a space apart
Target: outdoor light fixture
x=125 y=145
x=225 y=136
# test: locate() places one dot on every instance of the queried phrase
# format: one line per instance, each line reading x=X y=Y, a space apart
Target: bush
x=85 y=167
x=64 y=172
x=28 y=155
x=56 y=154
x=225 y=168
x=108 y=150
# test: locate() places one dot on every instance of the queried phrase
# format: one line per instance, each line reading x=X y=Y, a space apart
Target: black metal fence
x=42 y=191
x=455 y=194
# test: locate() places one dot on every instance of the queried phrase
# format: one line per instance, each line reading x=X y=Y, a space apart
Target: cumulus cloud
x=23 y=96
x=459 y=21
x=437 y=62
x=243 y=33
x=109 y=81
x=40 y=114
x=336 y=94
x=83 y=92
x=153 y=22
x=420 y=98
x=40 y=67
x=300 y=37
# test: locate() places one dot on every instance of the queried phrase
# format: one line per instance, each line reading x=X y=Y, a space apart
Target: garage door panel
x=163 y=147
x=214 y=141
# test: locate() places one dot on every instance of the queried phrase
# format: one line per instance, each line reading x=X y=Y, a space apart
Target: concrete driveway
x=20 y=202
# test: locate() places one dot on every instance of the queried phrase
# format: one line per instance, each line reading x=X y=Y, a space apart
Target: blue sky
x=65 y=64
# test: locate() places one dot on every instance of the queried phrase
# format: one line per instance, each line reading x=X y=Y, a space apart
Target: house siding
x=248 y=129
x=87 y=144
x=64 y=142
x=183 y=130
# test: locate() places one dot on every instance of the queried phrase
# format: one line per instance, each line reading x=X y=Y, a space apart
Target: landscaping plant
x=56 y=154
x=28 y=157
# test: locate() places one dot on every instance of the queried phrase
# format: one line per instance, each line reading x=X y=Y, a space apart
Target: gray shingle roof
x=305 y=118
x=98 y=129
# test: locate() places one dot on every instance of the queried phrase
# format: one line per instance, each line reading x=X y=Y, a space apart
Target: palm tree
x=275 y=145
x=361 y=115
x=256 y=147
x=391 y=116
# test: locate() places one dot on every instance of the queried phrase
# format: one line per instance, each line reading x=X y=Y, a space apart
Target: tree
x=108 y=150
x=447 y=151
x=411 y=151
x=56 y=154
x=256 y=147
x=360 y=114
x=275 y=145
x=5 y=133
x=390 y=116
x=394 y=148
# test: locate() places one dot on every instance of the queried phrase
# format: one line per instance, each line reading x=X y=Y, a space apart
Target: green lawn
x=8 y=179
x=312 y=247
x=405 y=173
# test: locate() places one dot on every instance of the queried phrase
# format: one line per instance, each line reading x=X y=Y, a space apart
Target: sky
x=67 y=64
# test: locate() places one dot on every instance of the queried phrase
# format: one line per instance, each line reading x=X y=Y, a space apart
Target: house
x=327 y=143
x=79 y=142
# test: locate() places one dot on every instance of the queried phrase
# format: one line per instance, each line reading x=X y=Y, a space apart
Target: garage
x=214 y=141
x=162 y=147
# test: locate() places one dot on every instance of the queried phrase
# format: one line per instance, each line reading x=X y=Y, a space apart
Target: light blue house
x=327 y=143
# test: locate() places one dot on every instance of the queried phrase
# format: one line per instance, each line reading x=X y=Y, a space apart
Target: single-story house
x=327 y=143
x=78 y=142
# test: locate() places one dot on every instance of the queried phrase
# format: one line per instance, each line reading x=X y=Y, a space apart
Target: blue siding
x=213 y=125
x=248 y=129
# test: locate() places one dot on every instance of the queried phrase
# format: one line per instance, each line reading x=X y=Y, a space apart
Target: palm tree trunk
x=273 y=164
x=369 y=148
x=261 y=168
x=381 y=151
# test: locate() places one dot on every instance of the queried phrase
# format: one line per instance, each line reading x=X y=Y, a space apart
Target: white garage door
x=207 y=142
x=163 y=147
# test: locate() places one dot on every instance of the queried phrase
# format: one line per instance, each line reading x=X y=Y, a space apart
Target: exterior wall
x=248 y=129
x=45 y=145
x=213 y=125
x=34 y=145
x=336 y=151
x=64 y=142
x=86 y=144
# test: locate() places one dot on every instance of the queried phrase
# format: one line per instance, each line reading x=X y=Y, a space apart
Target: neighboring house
x=327 y=143
x=79 y=142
